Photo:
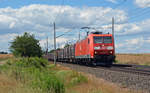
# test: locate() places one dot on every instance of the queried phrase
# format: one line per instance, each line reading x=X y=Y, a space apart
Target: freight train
x=96 y=49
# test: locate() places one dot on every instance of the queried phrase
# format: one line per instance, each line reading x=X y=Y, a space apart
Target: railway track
x=130 y=69
x=131 y=76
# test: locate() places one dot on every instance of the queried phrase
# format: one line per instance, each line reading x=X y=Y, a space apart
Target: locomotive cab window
x=88 y=41
x=107 y=39
x=98 y=39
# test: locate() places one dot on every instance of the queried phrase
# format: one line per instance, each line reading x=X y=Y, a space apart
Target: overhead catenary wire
x=138 y=12
x=137 y=16
x=140 y=15
x=64 y=33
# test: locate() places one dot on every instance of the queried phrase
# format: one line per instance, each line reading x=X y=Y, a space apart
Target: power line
x=137 y=10
x=140 y=10
x=139 y=15
x=64 y=33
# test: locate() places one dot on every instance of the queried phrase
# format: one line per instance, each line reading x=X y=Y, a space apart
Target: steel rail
x=128 y=70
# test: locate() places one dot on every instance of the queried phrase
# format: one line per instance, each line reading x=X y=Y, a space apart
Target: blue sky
x=132 y=21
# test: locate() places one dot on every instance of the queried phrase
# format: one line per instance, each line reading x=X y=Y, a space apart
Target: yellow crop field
x=5 y=56
x=140 y=59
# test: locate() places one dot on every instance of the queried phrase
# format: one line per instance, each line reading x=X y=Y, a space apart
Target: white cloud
x=7 y=37
x=43 y=42
x=6 y=21
x=135 y=41
x=132 y=28
x=60 y=42
x=133 y=45
x=12 y=25
x=147 y=40
x=37 y=19
x=40 y=17
x=143 y=3
x=119 y=45
x=5 y=41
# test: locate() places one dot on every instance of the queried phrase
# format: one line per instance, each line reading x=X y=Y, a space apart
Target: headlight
x=96 y=48
x=109 y=47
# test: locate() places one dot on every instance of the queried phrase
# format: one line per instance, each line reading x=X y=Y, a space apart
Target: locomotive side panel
x=82 y=49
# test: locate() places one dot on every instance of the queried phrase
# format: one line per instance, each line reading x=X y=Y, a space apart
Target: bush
x=29 y=62
x=34 y=73
x=116 y=61
x=26 y=46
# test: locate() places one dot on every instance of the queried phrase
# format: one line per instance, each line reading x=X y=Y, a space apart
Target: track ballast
x=132 y=76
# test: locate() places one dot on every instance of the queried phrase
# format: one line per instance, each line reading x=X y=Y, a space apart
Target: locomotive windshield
x=98 y=39
x=105 y=39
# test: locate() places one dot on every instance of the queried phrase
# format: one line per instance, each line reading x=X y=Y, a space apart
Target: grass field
x=21 y=76
x=140 y=59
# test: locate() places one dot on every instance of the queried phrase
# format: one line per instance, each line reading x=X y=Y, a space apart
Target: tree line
x=2 y=52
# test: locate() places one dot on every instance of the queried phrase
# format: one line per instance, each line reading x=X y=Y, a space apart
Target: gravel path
x=129 y=80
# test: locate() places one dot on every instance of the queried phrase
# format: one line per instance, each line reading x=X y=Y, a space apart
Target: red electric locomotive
x=96 y=48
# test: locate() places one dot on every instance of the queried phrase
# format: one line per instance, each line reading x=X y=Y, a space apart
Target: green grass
x=36 y=75
x=39 y=75
x=73 y=77
x=116 y=61
x=3 y=59
x=33 y=72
